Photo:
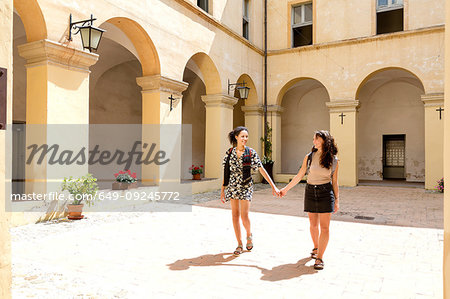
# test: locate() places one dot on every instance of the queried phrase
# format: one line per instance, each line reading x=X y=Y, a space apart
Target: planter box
x=123 y=186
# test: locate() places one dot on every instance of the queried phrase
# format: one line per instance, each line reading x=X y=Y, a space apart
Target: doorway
x=394 y=157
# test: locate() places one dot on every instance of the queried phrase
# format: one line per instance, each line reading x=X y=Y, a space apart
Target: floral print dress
x=235 y=188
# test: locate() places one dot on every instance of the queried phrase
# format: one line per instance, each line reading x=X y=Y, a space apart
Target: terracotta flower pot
x=75 y=211
x=196 y=176
x=123 y=185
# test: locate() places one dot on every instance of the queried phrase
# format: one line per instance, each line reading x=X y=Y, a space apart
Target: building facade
x=371 y=72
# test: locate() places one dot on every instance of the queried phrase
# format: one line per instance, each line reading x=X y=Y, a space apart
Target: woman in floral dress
x=237 y=186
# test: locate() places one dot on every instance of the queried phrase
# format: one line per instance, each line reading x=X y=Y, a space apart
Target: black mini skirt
x=319 y=198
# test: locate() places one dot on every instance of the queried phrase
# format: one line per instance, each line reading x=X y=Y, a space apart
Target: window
x=389 y=16
x=245 y=19
x=203 y=4
x=302 y=25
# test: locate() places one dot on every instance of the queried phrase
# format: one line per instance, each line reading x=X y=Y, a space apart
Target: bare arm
x=268 y=179
x=298 y=177
x=335 y=183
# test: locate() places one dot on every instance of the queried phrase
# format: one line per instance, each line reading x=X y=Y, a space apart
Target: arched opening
x=126 y=52
x=203 y=78
x=238 y=114
x=391 y=129
x=305 y=111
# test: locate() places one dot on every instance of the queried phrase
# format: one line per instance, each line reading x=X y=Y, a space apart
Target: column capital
x=155 y=83
x=45 y=51
x=257 y=110
x=337 y=106
x=275 y=108
x=219 y=100
x=433 y=99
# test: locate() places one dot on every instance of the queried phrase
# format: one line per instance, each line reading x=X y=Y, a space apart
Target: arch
x=209 y=72
x=291 y=83
x=253 y=93
x=32 y=19
x=372 y=74
x=148 y=56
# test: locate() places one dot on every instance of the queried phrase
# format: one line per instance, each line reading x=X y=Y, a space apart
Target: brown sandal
x=314 y=255
x=319 y=264
x=249 y=245
x=238 y=250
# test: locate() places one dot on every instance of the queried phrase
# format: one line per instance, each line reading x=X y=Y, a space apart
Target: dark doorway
x=394 y=157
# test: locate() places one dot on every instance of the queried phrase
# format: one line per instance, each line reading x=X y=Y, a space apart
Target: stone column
x=434 y=143
x=57 y=94
x=343 y=127
x=162 y=126
x=274 y=119
x=219 y=122
x=253 y=122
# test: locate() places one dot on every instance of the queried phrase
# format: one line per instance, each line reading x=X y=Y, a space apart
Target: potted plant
x=125 y=180
x=267 y=158
x=440 y=185
x=196 y=172
x=82 y=188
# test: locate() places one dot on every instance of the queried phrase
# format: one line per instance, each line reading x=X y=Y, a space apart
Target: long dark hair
x=329 y=148
x=233 y=134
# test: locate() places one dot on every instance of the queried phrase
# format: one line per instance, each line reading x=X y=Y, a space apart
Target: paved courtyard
x=189 y=254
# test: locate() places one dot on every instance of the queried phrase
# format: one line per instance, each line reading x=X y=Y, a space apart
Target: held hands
x=279 y=193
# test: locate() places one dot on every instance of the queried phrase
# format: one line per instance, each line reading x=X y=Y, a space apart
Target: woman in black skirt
x=237 y=185
x=321 y=191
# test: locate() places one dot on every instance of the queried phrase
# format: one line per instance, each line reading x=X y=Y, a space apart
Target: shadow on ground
x=281 y=272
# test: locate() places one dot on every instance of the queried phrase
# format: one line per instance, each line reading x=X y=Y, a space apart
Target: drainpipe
x=265 y=73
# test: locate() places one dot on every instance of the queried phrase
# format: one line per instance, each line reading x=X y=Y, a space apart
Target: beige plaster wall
x=194 y=113
x=116 y=98
x=354 y=19
x=304 y=112
x=393 y=108
x=343 y=67
x=424 y=13
x=6 y=39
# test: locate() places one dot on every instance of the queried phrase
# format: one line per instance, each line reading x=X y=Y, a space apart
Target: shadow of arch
x=146 y=50
x=408 y=74
x=293 y=82
x=209 y=73
x=32 y=18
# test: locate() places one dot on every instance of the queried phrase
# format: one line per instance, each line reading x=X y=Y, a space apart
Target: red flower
x=129 y=172
x=192 y=165
x=121 y=172
x=133 y=175
x=201 y=166
x=116 y=174
x=196 y=168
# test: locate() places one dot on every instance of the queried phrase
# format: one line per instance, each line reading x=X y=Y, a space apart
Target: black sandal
x=319 y=265
x=238 y=250
x=314 y=255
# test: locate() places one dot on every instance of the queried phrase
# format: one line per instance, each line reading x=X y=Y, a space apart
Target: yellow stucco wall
x=446 y=259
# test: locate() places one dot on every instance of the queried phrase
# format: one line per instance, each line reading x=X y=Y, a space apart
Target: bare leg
x=236 y=223
x=245 y=207
x=324 y=220
x=314 y=228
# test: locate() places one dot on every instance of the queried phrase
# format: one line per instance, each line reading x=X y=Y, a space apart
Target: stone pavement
x=188 y=255
x=414 y=207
